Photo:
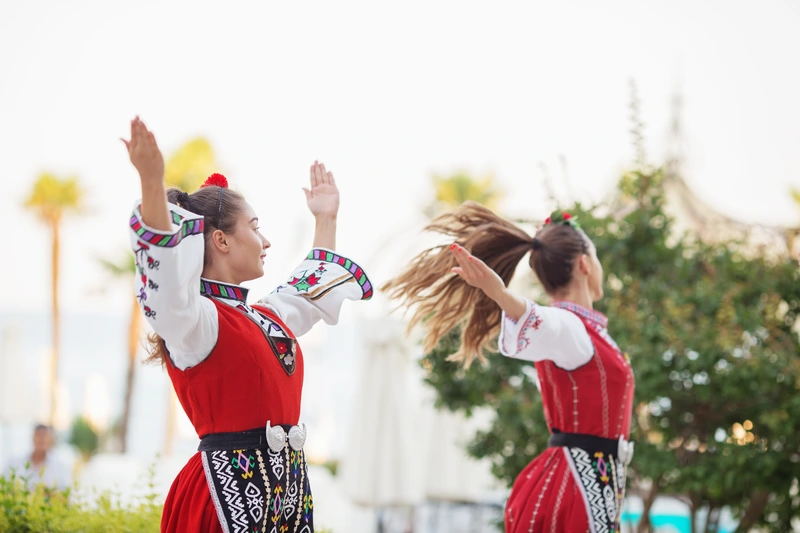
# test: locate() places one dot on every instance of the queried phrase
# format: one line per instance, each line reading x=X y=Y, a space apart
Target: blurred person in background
x=41 y=466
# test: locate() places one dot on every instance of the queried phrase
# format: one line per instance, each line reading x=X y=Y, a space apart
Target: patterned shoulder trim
x=168 y=240
x=358 y=273
x=596 y=317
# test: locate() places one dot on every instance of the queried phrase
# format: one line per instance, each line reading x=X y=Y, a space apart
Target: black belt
x=590 y=443
x=241 y=440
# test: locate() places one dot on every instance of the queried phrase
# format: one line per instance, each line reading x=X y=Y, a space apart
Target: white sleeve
x=546 y=333
x=317 y=289
x=167 y=284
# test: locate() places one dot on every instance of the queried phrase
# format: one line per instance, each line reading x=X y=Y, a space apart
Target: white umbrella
x=450 y=473
x=382 y=463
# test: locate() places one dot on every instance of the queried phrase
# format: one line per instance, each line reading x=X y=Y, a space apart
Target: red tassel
x=217 y=180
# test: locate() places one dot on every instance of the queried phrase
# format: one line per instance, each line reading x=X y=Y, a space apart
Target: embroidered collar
x=596 y=317
x=218 y=289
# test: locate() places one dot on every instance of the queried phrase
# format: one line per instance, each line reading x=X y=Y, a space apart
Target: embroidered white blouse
x=173 y=294
x=552 y=333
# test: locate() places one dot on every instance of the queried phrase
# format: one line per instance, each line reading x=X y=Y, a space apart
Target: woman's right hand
x=144 y=154
x=476 y=273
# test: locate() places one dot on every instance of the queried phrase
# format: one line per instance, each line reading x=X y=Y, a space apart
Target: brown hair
x=219 y=208
x=443 y=300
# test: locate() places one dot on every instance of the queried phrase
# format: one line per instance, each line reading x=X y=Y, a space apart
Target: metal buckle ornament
x=625 y=451
x=277 y=437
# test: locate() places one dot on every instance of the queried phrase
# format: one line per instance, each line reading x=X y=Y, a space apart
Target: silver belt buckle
x=277 y=437
x=625 y=451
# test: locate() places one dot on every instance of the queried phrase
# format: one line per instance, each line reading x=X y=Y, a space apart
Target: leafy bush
x=62 y=511
x=43 y=510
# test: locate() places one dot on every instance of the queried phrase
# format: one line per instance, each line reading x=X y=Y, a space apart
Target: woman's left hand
x=323 y=197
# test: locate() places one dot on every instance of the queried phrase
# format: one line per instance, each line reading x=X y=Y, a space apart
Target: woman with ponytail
x=237 y=368
x=578 y=483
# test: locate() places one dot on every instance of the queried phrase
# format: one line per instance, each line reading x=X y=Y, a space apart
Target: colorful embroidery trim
x=223 y=290
x=598 y=318
x=187 y=228
x=358 y=273
x=532 y=322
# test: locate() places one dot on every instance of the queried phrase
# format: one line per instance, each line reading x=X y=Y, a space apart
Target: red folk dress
x=234 y=368
x=587 y=388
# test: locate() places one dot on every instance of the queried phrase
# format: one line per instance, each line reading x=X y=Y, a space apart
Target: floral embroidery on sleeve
x=146 y=238
x=531 y=323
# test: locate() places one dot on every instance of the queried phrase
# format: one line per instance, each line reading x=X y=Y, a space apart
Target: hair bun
x=183 y=199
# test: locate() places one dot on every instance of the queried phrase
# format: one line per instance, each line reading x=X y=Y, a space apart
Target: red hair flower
x=217 y=180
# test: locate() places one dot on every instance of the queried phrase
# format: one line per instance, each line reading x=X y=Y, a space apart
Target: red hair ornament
x=216 y=180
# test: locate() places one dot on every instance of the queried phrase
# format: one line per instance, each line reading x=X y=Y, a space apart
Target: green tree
x=84 y=437
x=709 y=329
x=51 y=199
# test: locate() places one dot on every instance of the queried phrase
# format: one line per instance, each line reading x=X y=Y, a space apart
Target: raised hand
x=323 y=197
x=476 y=273
x=144 y=153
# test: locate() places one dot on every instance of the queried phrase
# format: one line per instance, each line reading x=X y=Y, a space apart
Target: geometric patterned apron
x=601 y=478
x=260 y=490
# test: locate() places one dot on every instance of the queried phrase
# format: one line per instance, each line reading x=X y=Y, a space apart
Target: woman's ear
x=220 y=241
x=583 y=264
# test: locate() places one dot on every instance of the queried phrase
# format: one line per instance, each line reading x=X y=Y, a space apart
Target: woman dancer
x=237 y=369
x=578 y=483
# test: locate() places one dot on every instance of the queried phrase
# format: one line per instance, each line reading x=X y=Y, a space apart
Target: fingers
x=323 y=174
x=463 y=258
x=313 y=174
x=330 y=178
x=126 y=143
x=472 y=267
x=308 y=193
x=319 y=173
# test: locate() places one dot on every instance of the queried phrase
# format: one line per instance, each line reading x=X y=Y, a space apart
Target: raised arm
x=529 y=331
x=146 y=157
x=323 y=202
x=322 y=282
x=168 y=246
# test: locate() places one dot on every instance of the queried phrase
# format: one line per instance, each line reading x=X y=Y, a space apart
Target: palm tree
x=51 y=199
x=125 y=269
x=186 y=169
x=191 y=164
x=451 y=191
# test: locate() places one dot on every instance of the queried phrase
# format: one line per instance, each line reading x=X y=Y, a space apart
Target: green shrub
x=44 y=511
x=62 y=511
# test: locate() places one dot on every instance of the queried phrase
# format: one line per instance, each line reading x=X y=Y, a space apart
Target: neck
x=38 y=458
x=578 y=295
x=220 y=274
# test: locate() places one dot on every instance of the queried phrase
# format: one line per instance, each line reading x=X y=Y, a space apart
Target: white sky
x=385 y=96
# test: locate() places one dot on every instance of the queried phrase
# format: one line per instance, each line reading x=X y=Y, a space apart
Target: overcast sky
x=386 y=97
